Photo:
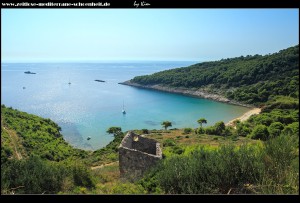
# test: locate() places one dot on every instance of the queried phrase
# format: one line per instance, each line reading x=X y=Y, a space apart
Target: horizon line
x=97 y=61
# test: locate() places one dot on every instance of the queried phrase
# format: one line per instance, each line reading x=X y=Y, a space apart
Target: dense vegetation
x=257 y=156
x=271 y=168
x=35 y=175
x=35 y=158
x=268 y=167
x=35 y=135
x=251 y=79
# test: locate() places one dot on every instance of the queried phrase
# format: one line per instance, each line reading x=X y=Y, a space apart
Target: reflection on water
x=86 y=108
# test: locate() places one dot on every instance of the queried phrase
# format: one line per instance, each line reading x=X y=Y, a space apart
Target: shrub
x=242 y=130
x=37 y=176
x=128 y=188
x=145 y=131
x=291 y=129
x=210 y=130
x=260 y=132
x=169 y=143
x=214 y=171
x=275 y=129
x=177 y=150
x=201 y=130
x=219 y=128
x=187 y=130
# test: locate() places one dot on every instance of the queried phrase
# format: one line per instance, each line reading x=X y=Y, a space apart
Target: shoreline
x=245 y=116
x=199 y=93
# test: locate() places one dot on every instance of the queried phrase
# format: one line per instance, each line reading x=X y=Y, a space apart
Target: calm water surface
x=88 y=108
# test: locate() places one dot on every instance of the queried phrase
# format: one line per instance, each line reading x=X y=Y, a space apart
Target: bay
x=86 y=108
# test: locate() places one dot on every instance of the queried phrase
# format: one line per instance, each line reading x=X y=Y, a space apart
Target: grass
x=196 y=139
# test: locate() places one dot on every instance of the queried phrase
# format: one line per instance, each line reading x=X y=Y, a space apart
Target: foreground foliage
x=37 y=176
x=228 y=169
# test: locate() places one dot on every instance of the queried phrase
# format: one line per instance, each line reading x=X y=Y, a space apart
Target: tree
x=114 y=130
x=220 y=127
x=201 y=121
x=242 y=130
x=291 y=129
x=275 y=129
x=260 y=132
x=166 y=124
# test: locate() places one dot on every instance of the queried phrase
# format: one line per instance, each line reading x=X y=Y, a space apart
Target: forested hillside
x=249 y=79
x=35 y=158
x=33 y=135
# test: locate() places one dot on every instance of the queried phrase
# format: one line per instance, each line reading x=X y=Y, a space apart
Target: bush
x=219 y=128
x=177 y=150
x=281 y=161
x=200 y=130
x=242 y=130
x=210 y=130
x=37 y=176
x=260 y=132
x=275 y=129
x=187 y=130
x=145 y=131
x=128 y=188
x=291 y=129
x=210 y=172
x=169 y=143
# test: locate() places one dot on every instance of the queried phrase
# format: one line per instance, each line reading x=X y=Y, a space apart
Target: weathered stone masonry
x=136 y=155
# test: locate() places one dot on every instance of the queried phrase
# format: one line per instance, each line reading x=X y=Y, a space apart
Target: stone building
x=136 y=155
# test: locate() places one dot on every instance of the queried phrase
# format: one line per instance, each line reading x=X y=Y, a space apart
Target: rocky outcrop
x=200 y=92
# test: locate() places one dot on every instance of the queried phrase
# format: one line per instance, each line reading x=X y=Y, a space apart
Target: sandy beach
x=245 y=116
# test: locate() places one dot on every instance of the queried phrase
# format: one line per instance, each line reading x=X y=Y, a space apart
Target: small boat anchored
x=123 y=110
x=99 y=80
x=28 y=72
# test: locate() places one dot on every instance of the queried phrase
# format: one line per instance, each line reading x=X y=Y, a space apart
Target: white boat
x=123 y=110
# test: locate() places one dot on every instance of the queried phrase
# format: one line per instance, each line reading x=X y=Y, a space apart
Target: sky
x=57 y=35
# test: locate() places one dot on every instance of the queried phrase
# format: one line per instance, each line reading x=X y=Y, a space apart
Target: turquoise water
x=88 y=108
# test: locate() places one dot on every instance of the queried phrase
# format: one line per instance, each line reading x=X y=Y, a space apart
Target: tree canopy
x=166 y=124
x=250 y=79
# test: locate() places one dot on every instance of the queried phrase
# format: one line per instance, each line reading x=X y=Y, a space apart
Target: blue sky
x=35 y=35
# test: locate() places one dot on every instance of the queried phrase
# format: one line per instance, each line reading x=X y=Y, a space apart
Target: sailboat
x=123 y=111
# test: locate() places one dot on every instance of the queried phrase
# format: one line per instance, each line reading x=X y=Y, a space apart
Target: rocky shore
x=201 y=93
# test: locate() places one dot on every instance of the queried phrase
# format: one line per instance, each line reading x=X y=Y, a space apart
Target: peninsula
x=28 y=72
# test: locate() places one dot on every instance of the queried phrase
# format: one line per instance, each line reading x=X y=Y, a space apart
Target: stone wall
x=136 y=155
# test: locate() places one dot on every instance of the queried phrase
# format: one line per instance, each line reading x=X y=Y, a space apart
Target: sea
x=87 y=108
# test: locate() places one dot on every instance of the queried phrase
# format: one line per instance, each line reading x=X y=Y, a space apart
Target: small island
x=28 y=72
x=99 y=80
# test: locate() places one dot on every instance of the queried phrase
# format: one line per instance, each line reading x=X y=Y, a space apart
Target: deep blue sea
x=88 y=108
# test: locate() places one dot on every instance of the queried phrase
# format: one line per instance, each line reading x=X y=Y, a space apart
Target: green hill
x=35 y=158
x=250 y=79
x=24 y=134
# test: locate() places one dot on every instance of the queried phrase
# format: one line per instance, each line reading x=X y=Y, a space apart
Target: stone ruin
x=136 y=155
